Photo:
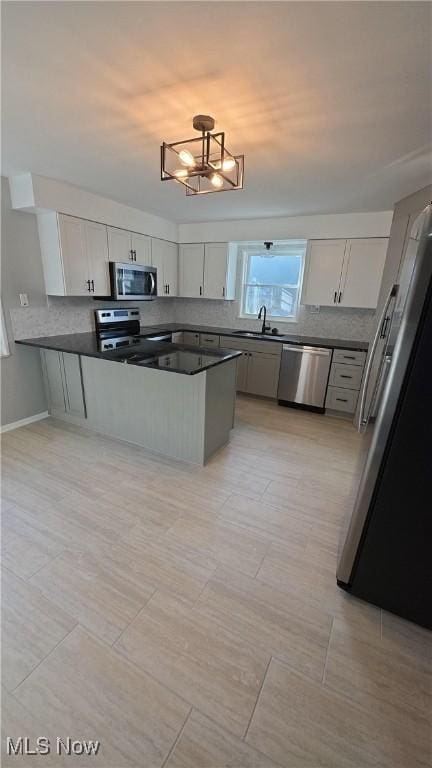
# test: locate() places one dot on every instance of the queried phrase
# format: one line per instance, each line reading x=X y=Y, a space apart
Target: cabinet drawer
x=349 y=356
x=339 y=399
x=209 y=340
x=191 y=338
x=346 y=376
x=269 y=347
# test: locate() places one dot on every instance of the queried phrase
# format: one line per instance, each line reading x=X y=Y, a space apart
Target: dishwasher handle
x=309 y=350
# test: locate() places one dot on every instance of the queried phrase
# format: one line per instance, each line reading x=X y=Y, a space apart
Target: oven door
x=132 y=281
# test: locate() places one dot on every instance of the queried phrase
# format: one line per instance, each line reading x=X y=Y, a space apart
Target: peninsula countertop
x=175 y=358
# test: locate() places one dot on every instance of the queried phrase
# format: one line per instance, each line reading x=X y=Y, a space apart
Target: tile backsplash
x=75 y=315
x=336 y=323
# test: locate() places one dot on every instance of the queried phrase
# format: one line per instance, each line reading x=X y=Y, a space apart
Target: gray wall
x=22 y=390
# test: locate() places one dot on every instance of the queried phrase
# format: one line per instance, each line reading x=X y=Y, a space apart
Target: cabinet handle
x=341 y=399
x=92 y=285
x=335 y=297
x=200 y=290
x=344 y=376
x=88 y=285
x=131 y=255
x=168 y=288
x=223 y=291
x=340 y=296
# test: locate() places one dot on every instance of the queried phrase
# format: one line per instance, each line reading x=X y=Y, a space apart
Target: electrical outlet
x=24 y=299
x=314 y=309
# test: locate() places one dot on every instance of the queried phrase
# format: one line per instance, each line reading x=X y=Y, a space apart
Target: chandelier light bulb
x=181 y=173
x=216 y=180
x=228 y=164
x=186 y=158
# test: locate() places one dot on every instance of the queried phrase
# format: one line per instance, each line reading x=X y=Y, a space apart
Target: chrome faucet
x=265 y=327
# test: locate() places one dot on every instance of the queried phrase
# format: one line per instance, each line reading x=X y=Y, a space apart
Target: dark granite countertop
x=176 y=358
x=314 y=341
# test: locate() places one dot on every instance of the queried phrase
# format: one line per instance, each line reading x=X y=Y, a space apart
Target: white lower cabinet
x=63 y=380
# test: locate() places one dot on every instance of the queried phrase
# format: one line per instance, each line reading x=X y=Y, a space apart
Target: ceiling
x=329 y=101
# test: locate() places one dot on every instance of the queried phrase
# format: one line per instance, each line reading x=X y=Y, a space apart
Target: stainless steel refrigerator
x=386 y=557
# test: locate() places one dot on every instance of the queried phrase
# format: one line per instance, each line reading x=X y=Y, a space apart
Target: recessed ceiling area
x=329 y=102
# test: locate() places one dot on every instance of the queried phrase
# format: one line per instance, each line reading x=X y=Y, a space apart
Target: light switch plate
x=24 y=299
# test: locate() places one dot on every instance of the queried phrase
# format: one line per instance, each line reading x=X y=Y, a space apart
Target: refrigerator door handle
x=362 y=422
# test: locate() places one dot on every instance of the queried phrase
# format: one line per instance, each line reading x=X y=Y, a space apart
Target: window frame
x=250 y=249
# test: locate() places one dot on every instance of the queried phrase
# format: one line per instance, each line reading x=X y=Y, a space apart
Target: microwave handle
x=153 y=284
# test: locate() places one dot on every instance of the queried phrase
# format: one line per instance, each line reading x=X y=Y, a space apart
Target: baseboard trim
x=24 y=422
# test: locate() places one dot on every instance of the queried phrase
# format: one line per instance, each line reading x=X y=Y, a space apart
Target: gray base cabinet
x=63 y=382
x=346 y=374
x=263 y=374
x=258 y=367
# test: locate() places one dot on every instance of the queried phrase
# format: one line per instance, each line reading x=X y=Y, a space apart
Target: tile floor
x=188 y=617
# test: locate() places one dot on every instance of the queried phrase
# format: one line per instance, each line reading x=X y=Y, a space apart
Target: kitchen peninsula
x=169 y=398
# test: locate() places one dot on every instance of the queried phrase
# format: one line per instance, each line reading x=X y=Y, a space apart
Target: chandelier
x=202 y=164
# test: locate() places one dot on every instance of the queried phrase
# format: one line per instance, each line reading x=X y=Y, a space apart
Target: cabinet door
x=119 y=244
x=97 y=254
x=141 y=246
x=363 y=271
x=171 y=268
x=73 y=385
x=191 y=270
x=74 y=254
x=53 y=367
x=215 y=270
x=242 y=372
x=263 y=374
x=157 y=260
x=191 y=338
x=324 y=261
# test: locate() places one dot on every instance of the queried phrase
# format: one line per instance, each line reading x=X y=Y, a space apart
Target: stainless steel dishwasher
x=304 y=374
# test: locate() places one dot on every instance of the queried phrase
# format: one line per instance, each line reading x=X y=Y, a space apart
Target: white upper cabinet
x=141 y=249
x=324 y=262
x=74 y=255
x=363 y=271
x=128 y=246
x=345 y=273
x=164 y=256
x=191 y=270
x=219 y=271
x=97 y=254
x=207 y=270
x=119 y=245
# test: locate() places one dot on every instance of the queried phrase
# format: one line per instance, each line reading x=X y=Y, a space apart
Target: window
x=272 y=277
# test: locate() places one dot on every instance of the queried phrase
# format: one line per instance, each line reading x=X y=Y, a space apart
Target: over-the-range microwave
x=132 y=281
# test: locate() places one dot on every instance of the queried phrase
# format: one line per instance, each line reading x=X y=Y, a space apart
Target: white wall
x=37 y=193
x=302 y=227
